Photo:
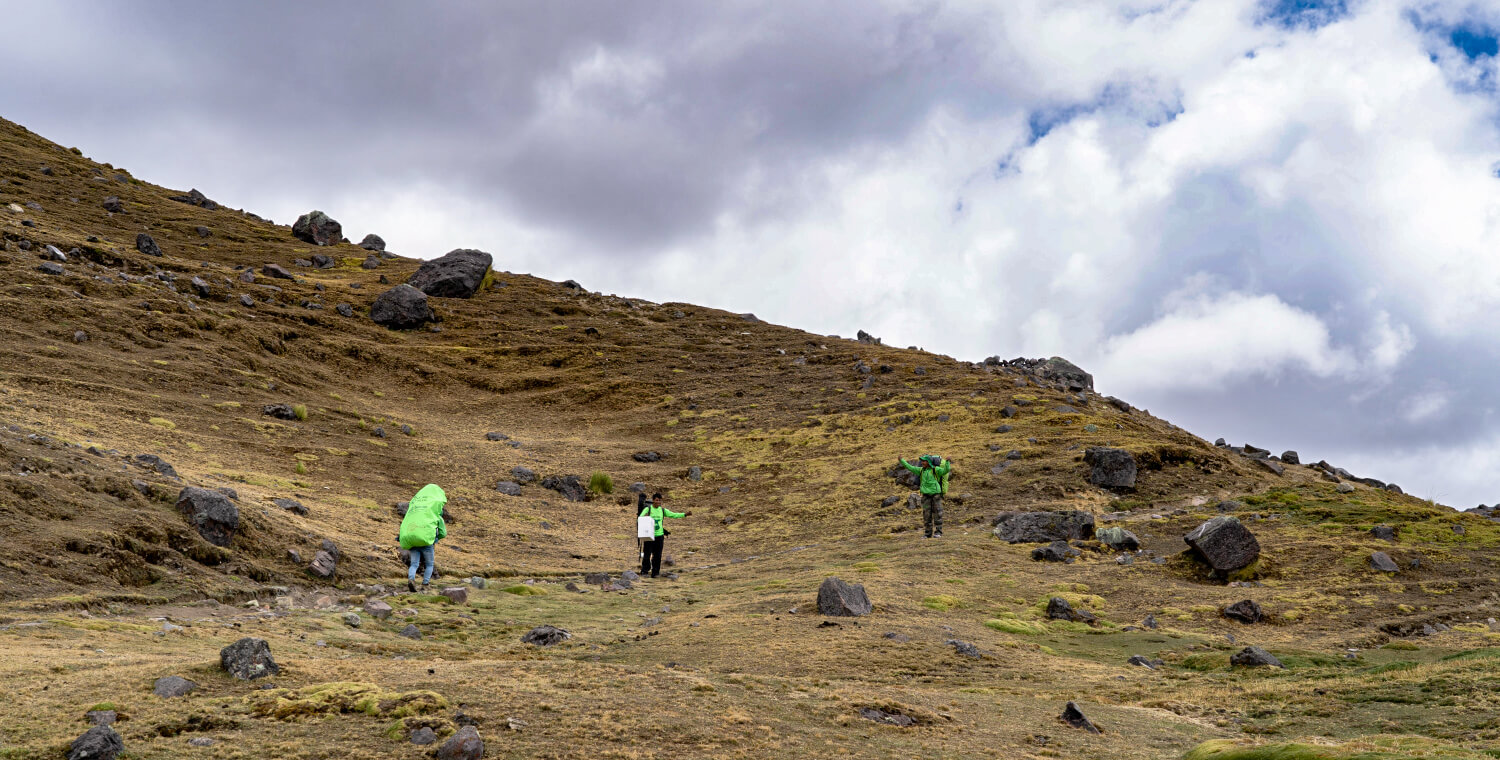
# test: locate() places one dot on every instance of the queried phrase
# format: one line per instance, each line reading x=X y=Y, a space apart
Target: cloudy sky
x=1272 y=220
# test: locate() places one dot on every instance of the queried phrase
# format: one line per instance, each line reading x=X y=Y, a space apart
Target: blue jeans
x=420 y=555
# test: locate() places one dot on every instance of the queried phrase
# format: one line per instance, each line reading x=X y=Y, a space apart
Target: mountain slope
x=122 y=356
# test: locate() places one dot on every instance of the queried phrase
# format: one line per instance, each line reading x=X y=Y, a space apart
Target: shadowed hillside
x=126 y=377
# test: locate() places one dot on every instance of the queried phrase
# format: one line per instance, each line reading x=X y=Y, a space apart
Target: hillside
x=126 y=354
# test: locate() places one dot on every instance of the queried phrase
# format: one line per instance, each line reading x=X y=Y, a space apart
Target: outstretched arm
x=670 y=513
x=915 y=470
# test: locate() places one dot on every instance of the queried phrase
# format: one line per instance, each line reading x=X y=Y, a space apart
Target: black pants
x=651 y=558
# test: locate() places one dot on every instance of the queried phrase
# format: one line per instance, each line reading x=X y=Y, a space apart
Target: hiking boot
x=938 y=534
x=411 y=586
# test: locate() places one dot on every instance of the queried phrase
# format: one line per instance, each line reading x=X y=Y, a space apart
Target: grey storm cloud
x=1267 y=221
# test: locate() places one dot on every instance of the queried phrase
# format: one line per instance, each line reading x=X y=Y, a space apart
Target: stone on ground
x=841 y=599
x=1057 y=551
x=377 y=609
x=248 y=659
x=1074 y=717
x=97 y=743
x=545 y=636
x=1383 y=562
x=147 y=245
x=1246 y=611
x=324 y=565
x=173 y=686
x=401 y=308
x=211 y=513
x=1111 y=468
x=456 y=274
x=1042 y=527
x=317 y=228
x=423 y=737
x=456 y=594
x=372 y=242
x=569 y=486
x=1254 y=657
x=1224 y=543
x=464 y=745
x=1119 y=539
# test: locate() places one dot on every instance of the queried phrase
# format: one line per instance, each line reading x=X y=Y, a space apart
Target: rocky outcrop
x=317 y=228
x=840 y=599
x=457 y=274
x=1043 y=527
x=401 y=308
x=211 y=513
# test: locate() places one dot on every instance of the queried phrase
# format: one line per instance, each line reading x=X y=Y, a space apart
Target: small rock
x=464 y=745
x=291 y=505
x=1057 y=551
x=423 y=736
x=1144 y=662
x=173 y=686
x=545 y=636
x=964 y=648
x=1246 y=611
x=888 y=718
x=1383 y=562
x=353 y=620
x=456 y=594
x=113 y=205
x=1254 y=657
x=377 y=609
x=840 y=599
x=1345 y=488
x=147 y=245
x=98 y=743
x=1383 y=532
x=248 y=659
x=1074 y=717
x=1119 y=539
x=51 y=267
x=411 y=632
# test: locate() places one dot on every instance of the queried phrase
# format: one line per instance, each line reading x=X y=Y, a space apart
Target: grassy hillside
x=122 y=356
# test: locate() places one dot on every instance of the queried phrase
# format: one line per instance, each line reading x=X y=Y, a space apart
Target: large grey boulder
x=457 y=274
x=1060 y=370
x=1254 y=657
x=841 y=599
x=1074 y=717
x=1224 y=543
x=372 y=242
x=545 y=636
x=464 y=745
x=317 y=228
x=248 y=659
x=147 y=245
x=401 y=308
x=1383 y=562
x=1119 y=539
x=569 y=486
x=173 y=686
x=1043 y=527
x=324 y=565
x=211 y=512
x=98 y=743
x=1111 y=468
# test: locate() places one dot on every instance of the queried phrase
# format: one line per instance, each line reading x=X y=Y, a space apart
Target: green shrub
x=300 y=410
x=521 y=589
x=301 y=467
x=600 y=482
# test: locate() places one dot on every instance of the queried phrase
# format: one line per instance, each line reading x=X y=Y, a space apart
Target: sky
x=1276 y=221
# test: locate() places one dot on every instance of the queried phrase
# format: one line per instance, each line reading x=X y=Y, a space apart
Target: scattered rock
x=1074 y=717
x=508 y=487
x=523 y=475
x=1383 y=562
x=1246 y=611
x=464 y=745
x=317 y=228
x=279 y=411
x=1383 y=532
x=1039 y=527
x=1112 y=468
x=1119 y=539
x=888 y=718
x=401 y=308
x=248 y=659
x=173 y=686
x=1059 y=609
x=840 y=599
x=214 y=516
x=964 y=648
x=353 y=620
x=203 y=232
x=411 y=631
x=101 y=717
x=1057 y=551
x=899 y=638
x=371 y=262
x=1144 y=662
x=1345 y=488
x=51 y=267
x=322 y=261
x=545 y=636
x=456 y=594
x=1224 y=543
x=324 y=565
x=647 y=456
x=1291 y=457
x=344 y=310
x=493 y=436
x=567 y=485
x=377 y=609
x=195 y=198
x=1254 y=657
x=372 y=242
x=695 y=473
x=457 y=274
x=276 y=271
x=423 y=736
x=98 y=743
x=1273 y=466
x=147 y=245
x=113 y=205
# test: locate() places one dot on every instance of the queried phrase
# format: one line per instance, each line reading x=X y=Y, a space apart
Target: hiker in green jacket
x=932 y=475
x=421 y=529
x=651 y=557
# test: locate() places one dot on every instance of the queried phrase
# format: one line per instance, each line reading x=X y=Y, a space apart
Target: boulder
x=457 y=274
x=372 y=242
x=964 y=648
x=200 y=288
x=147 y=245
x=567 y=485
x=1254 y=657
x=1040 y=527
x=276 y=271
x=170 y=687
x=411 y=631
x=1057 y=551
x=324 y=565
x=1345 y=488
x=51 y=267
x=596 y=579
x=377 y=609
x=1246 y=611
x=113 y=205
x=1383 y=562
x=248 y=659
x=1119 y=539
x=214 y=516
x=646 y=457
x=353 y=620
x=1291 y=457
x=1111 y=468
x=317 y=228
x=1074 y=717
x=97 y=743
x=508 y=487
x=1066 y=373
x=695 y=473
x=1224 y=543
x=1383 y=532
x=423 y=736
x=456 y=594
x=371 y=261
x=841 y=599
x=545 y=636
x=1143 y=661
x=1273 y=466
x=158 y=464
x=1059 y=609
x=401 y=308
x=464 y=745
x=523 y=475
x=322 y=261
x=195 y=198
x=279 y=411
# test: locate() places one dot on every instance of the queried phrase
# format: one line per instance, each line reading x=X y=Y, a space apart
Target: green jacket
x=657 y=513
x=423 y=524
x=934 y=479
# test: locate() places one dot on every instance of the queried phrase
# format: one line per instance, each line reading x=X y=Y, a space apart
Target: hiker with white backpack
x=932 y=482
x=651 y=547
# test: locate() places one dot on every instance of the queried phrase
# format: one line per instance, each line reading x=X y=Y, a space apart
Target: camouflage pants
x=932 y=513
